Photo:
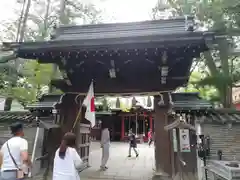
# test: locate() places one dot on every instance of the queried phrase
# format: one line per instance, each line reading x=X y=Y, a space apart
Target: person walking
x=105 y=145
x=14 y=159
x=132 y=144
x=67 y=162
x=150 y=137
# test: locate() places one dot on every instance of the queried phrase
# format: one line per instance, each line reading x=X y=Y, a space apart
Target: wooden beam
x=162 y=139
x=120 y=87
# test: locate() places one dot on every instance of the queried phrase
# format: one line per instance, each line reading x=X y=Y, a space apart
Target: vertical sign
x=184 y=140
x=174 y=140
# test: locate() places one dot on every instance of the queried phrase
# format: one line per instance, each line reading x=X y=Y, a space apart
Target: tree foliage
x=206 y=92
x=222 y=72
x=26 y=80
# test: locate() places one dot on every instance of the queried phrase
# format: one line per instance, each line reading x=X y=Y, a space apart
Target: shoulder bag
x=20 y=173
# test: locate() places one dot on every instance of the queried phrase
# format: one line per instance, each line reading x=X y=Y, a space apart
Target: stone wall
x=30 y=133
x=225 y=138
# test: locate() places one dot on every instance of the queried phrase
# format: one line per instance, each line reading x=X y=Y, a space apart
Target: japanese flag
x=90 y=107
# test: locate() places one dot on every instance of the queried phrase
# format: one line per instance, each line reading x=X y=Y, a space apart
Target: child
x=150 y=138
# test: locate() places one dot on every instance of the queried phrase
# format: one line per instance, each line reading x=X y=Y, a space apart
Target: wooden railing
x=84 y=144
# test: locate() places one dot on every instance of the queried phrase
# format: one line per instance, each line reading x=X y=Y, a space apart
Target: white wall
x=2 y=103
x=236 y=94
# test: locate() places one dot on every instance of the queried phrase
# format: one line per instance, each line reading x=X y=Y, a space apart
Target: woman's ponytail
x=62 y=149
x=69 y=140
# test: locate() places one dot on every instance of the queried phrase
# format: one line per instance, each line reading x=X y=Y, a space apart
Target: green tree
x=37 y=25
x=35 y=81
x=207 y=92
x=221 y=63
x=8 y=70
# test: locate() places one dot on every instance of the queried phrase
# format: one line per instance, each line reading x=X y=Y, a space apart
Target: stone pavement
x=120 y=166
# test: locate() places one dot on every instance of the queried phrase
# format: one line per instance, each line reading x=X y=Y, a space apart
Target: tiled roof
x=189 y=102
x=11 y=116
x=118 y=35
x=123 y=30
x=182 y=102
x=225 y=115
x=45 y=102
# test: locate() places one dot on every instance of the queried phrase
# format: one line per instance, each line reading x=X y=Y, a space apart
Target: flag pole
x=35 y=144
x=78 y=117
x=79 y=112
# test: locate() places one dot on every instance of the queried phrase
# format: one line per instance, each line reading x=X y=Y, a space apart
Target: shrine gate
x=140 y=58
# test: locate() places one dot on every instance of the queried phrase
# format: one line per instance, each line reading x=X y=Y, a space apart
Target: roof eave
x=186 y=38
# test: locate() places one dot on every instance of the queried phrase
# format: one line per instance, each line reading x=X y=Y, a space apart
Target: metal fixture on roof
x=161 y=102
x=164 y=68
x=105 y=104
x=170 y=98
x=112 y=71
x=189 y=24
x=179 y=123
x=149 y=101
x=163 y=80
x=134 y=102
x=164 y=71
x=118 y=104
x=164 y=57
x=63 y=60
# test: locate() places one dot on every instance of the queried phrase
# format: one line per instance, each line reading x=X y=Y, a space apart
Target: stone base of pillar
x=161 y=176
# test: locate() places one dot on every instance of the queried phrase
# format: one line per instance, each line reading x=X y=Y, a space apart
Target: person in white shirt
x=14 y=154
x=67 y=162
x=105 y=145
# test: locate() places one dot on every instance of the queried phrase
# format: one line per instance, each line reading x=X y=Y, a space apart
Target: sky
x=128 y=10
x=117 y=10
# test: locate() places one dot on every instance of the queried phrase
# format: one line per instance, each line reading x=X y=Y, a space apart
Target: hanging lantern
x=105 y=104
x=134 y=102
x=118 y=103
x=149 y=102
x=144 y=101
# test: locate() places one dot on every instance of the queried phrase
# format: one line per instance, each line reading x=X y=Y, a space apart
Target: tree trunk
x=62 y=15
x=223 y=88
x=20 y=21
x=44 y=33
x=62 y=20
x=223 y=47
x=21 y=31
x=24 y=21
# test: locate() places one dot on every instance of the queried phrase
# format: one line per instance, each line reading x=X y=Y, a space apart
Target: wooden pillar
x=136 y=125
x=200 y=164
x=162 y=139
x=123 y=128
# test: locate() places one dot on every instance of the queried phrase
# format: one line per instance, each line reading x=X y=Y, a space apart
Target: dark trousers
x=150 y=141
x=130 y=149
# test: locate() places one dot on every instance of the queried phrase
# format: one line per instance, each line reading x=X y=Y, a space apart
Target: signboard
x=184 y=140
x=174 y=140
